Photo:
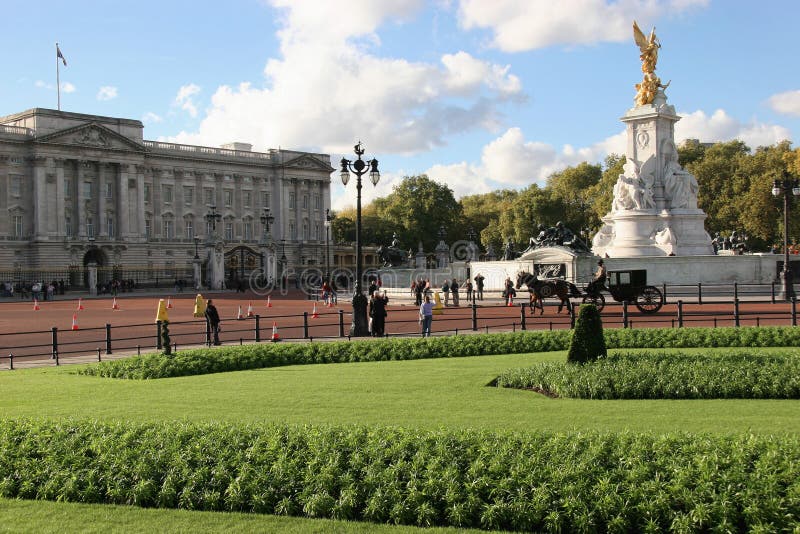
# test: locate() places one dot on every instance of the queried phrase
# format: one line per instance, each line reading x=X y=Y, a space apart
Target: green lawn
x=44 y=517
x=420 y=393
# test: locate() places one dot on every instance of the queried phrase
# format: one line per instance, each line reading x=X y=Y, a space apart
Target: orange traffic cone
x=169 y=303
x=239 y=315
x=35 y=305
x=114 y=305
x=510 y=300
x=314 y=314
x=74 y=321
x=80 y=305
x=275 y=336
x=269 y=302
x=250 y=309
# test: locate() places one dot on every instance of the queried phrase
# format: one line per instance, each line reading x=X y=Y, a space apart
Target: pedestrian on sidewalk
x=212 y=318
x=426 y=316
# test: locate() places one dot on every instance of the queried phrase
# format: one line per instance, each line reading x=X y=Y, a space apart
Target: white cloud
x=518 y=26
x=720 y=126
x=67 y=87
x=151 y=118
x=40 y=83
x=107 y=92
x=393 y=104
x=184 y=98
x=787 y=103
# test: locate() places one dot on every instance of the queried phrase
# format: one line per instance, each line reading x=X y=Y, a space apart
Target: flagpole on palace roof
x=58 y=79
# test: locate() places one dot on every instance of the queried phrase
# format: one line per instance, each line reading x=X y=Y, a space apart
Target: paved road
x=28 y=334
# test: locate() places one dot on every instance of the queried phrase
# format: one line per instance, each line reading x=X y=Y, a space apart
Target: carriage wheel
x=597 y=299
x=546 y=291
x=649 y=300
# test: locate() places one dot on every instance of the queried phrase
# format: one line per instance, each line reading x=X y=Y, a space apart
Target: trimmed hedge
x=257 y=356
x=645 y=375
x=588 y=343
x=548 y=482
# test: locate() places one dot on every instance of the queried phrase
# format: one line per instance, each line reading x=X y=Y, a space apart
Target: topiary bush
x=588 y=343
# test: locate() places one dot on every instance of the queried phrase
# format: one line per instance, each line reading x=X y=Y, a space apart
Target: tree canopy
x=734 y=190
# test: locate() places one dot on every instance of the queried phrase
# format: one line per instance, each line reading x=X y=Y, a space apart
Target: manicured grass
x=419 y=393
x=21 y=516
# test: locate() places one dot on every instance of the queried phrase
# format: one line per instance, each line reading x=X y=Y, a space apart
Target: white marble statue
x=604 y=237
x=680 y=186
x=631 y=192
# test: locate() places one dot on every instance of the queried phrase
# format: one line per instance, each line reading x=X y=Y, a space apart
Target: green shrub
x=644 y=375
x=588 y=343
x=257 y=356
x=541 y=482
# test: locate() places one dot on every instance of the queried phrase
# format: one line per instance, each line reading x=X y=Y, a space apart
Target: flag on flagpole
x=59 y=55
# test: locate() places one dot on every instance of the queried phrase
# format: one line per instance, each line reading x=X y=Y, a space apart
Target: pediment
x=91 y=135
x=309 y=162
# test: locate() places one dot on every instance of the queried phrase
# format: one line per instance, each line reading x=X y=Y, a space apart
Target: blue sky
x=479 y=94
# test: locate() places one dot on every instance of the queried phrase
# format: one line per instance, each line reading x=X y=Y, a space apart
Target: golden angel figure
x=646 y=91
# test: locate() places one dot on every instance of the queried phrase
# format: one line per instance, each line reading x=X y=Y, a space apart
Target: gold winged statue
x=646 y=91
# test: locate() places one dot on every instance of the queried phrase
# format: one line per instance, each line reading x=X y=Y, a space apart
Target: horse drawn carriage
x=624 y=286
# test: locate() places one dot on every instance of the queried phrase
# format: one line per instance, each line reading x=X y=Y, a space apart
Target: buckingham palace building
x=85 y=192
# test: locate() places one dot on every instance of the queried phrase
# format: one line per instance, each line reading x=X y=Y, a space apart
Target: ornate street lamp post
x=196 y=242
x=328 y=221
x=283 y=264
x=266 y=221
x=787 y=188
x=359 y=168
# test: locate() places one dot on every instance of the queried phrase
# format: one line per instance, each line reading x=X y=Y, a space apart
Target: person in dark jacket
x=212 y=318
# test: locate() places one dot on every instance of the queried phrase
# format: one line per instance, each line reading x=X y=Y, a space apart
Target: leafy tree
x=571 y=188
x=417 y=208
x=602 y=193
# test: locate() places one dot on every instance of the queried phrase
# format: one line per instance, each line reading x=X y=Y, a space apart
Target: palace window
x=317 y=232
x=17 y=226
x=291 y=201
x=147 y=193
x=229 y=231
x=148 y=228
x=292 y=233
x=265 y=199
x=317 y=202
x=209 y=228
x=16 y=186
x=305 y=231
x=67 y=188
x=248 y=198
x=68 y=225
x=188 y=196
x=189 y=229
x=166 y=194
x=229 y=197
x=109 y=190
x=110 y=226
x=88 y=189
x=169 y=229
x=305 y=202
x=248 y=230
x=208 y=193
x=90 y=227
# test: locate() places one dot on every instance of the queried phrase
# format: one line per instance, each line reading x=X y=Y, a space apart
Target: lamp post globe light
x=788 y=188
x=212 y=218
x=359 y=167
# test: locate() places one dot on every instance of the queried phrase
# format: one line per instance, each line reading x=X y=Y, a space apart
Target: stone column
x=39 y=198
x=79 y=174
x=92 y=268
x=140 y=199
x=61 y=214
x=197 y=264
x=102 y=175
x=123 y=208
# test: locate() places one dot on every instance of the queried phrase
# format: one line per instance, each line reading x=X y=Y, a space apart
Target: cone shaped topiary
x=588 y=343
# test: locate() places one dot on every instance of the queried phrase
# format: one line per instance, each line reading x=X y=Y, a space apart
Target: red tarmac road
x=28 y=334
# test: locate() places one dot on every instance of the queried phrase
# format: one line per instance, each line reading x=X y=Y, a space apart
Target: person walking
x=468 y=288
x=446 y=292
x=378 y=313
x=426 y=316
x=212 y=319
x=418 y=291
x=454 y=291
x=479 y=286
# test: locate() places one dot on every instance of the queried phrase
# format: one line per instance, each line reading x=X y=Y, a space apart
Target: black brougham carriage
x=627 y=286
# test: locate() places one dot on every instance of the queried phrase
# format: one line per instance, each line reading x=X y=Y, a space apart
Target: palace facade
x=80 y=189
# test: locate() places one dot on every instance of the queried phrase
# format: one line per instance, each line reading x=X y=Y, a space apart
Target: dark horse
x=391 y=256
x=542 y=289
